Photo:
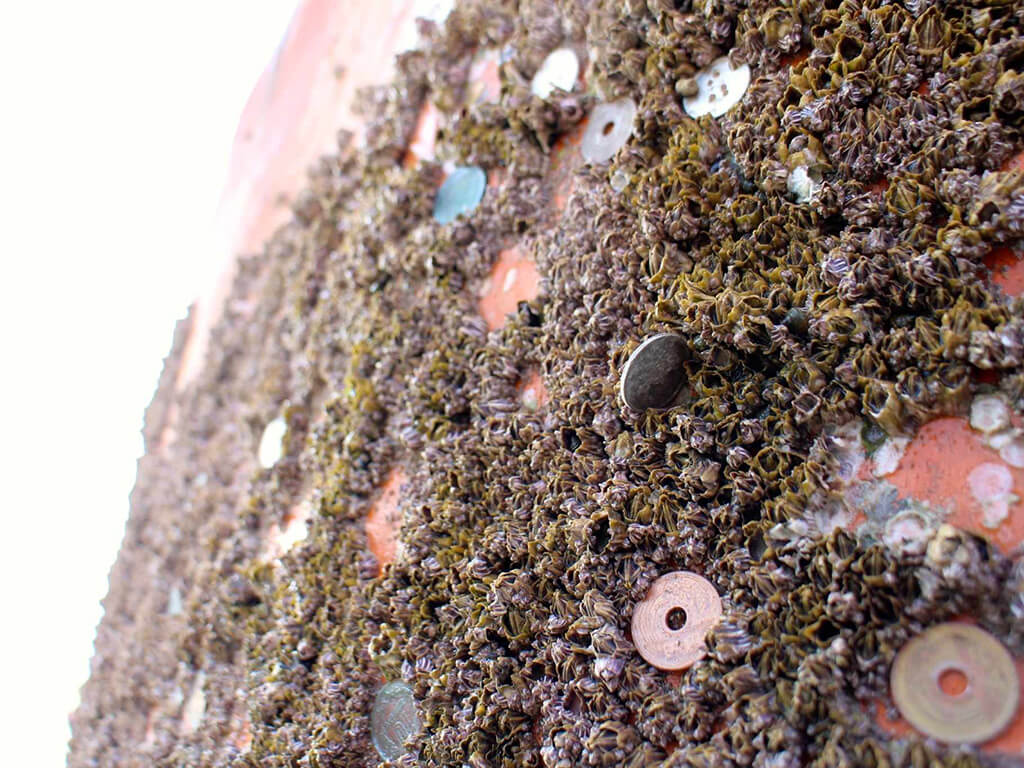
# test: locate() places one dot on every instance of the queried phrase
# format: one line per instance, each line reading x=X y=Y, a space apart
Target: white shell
x=719 y=88
x=802 y=185
x=271 y=446
x=559 y=70
x=989 y=413
x=991 y=484
x=887 y=457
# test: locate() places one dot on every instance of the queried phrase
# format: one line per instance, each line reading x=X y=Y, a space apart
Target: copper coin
x=654 y=375
x=985 y=706
x=670 y=624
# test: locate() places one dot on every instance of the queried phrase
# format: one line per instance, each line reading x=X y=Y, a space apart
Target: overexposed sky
x=116 y=124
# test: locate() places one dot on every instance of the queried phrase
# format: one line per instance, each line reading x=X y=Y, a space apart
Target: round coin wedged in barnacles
x=981 y=697
x=460 y=193
x=718 y=88
x=669 y=625
x=654 y=375
x=558 y=72
x=393 y=719
x=609 y=127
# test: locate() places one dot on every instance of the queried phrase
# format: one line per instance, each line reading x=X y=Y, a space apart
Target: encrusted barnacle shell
x=929 y=32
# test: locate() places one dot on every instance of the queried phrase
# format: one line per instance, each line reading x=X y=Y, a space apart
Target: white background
x=116 y=122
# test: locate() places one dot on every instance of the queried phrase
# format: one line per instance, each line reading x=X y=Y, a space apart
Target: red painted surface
x=513 y=278
x=484 y=77
x=795 y=59
x=384 y=521
x=424 y=139
x=1007 y=270
x=935 y=468
x=565 y=158
x=1015 y=163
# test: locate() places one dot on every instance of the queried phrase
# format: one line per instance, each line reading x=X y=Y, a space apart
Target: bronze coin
x=985 y=706
x=654 y=375
x=670 y=624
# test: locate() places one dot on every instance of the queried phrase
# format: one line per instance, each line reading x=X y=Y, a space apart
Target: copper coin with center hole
x=670 y=624
x=978 y=713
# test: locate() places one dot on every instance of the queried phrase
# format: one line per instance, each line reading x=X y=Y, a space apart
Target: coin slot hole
x=675 y=619
x=607 y=128
x=953 y=682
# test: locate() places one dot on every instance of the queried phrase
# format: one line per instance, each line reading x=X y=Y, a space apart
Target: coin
x=460 y=193
x=393 y=719
x=559 y=70
x=977 y=713
x=720 y=86
x=653 y=375
x=669 y=625
x=608 y=128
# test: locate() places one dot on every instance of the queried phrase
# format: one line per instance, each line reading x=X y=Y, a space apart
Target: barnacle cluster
x=530 y=535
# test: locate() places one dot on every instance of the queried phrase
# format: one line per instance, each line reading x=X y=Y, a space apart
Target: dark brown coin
x=654 y=375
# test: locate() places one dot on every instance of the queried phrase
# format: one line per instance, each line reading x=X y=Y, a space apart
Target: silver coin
x=393 y=719
x=460 y=193
x=608 y=128
x=654 y=376
x=559 y=70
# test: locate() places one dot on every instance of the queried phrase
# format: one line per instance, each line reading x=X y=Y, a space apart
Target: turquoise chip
x=460 y=193
x=393 y=719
